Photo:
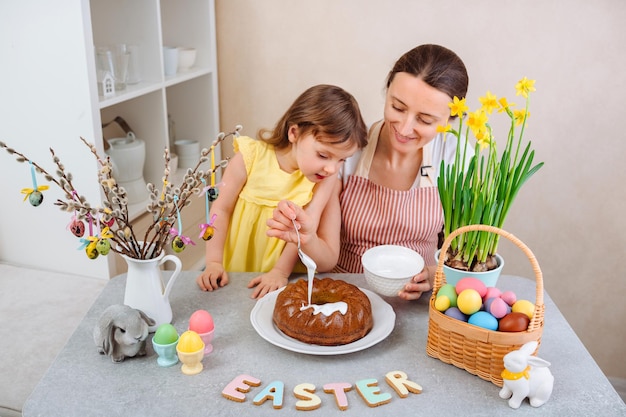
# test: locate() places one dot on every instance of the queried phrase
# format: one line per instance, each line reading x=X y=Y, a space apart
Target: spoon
x=310 y=264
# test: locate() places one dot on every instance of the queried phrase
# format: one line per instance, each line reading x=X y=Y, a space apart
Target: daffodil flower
x=489 y=102
x=524 y=86
x=457 y=107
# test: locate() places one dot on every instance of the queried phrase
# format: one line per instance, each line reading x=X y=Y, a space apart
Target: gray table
x=82 y=383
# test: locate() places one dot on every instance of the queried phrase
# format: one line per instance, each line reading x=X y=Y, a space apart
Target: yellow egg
x=189 y=342
x=524 y=306
x=449 y=291
x=469 y=301
x=442 y=302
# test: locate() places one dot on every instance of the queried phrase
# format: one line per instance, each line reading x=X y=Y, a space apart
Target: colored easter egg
x=201 y=322
x=509 y=297
x=92 y=251
x=514 y=322
x=492 y=292
x=484 y=320
x=524 y=306
x=35 y=198
x=165 y=334
x=103 y=246
x=469 y=301
x=473 y=283
x=497 y=307
x=449 y=291
x=77 y=227
x=189 y=342
x=208 y=233
x=213 y=193
x=455 y=313
x=178 y=245
x=442 y=302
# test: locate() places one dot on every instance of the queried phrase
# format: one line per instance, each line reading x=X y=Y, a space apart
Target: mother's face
x=413 y=110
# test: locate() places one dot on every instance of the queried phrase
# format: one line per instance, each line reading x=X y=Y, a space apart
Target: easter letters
x=368 y=390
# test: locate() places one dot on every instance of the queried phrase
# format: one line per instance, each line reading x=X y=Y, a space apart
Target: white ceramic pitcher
x=145 y=290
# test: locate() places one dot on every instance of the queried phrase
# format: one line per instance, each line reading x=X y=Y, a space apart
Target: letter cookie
x=398 y=380
x=307 y=399
x=370 y=392
x=339 y=390
x=237 y=387
x=275 y=391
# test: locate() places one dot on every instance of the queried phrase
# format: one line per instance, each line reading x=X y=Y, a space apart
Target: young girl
x=297 y=161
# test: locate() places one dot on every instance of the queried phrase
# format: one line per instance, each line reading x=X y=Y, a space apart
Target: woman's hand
x=419 y=284
x=213 y=277
x=267 y=282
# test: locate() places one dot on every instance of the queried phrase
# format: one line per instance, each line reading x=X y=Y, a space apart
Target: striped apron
x=373 y=215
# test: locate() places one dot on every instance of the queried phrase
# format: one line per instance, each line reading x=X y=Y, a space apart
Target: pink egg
x=201 y=322
x=492 y=292
x=509 y=297
x=497 y=307
x=471 y=283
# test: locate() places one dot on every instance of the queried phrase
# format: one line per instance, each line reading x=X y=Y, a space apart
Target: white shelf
x=189 y=98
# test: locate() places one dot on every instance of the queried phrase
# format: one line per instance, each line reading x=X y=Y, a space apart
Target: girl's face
x=413 y=110
x=315 y=158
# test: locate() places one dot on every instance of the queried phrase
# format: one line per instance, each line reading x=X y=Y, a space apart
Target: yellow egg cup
x=192 y=361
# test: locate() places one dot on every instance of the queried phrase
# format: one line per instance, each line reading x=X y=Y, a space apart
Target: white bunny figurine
x=121 y=332
x=526 y=376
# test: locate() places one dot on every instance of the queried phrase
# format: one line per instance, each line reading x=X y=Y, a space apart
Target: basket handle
x=440 y=278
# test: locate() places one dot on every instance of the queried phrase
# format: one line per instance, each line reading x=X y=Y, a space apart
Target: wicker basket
x=479 y=351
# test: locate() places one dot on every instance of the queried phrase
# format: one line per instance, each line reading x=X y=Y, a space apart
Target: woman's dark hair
x=437 y=66
x=328 y=112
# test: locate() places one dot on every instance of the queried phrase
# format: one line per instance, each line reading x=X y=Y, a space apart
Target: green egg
x=449 y=291
x=165 y=334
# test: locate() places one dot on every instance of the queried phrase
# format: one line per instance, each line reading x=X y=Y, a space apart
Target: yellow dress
x=247 y=247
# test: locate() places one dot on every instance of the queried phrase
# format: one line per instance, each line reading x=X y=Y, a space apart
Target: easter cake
x=296 y=319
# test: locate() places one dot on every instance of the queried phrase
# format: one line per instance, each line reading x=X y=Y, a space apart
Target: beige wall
x=570 y=213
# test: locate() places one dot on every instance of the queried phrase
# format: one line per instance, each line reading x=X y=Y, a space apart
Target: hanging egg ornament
x=91 y=251
x=178 y=245
x=110 y=222
x=103 y=246
x=208 y=233
x=35 y=198
x=77 y=227
x=213 y=193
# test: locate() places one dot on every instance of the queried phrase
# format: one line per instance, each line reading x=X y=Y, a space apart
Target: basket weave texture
x=479 y=351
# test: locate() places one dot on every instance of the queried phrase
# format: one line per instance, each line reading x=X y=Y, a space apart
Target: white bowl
x=186 y=58
x=387 y=268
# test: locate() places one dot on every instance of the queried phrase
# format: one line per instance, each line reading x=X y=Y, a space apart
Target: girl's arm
x=319 y=235
x=319 y=224
x=234 y=178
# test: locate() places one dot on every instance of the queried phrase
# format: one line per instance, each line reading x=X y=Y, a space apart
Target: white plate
x=261 y=318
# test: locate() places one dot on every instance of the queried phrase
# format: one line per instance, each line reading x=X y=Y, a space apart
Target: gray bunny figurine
x=121 y=332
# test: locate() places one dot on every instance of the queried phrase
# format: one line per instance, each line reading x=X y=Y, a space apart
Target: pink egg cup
x=207 y=338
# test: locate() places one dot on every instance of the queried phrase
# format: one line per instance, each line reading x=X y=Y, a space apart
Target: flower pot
x=145 y=290
x=489 y=278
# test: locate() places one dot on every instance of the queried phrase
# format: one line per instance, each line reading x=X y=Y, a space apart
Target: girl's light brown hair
x=328 y=112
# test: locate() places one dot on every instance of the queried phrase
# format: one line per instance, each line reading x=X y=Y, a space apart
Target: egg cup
x=207 y=338
x=167 y=353
x=192 y=361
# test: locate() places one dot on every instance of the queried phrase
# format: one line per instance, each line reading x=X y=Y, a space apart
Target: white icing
x=328 y=308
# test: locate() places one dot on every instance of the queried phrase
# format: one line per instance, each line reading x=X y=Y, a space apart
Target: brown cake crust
x=336 y=329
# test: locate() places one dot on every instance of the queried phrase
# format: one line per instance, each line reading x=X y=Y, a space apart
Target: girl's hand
x=213 y=277
x=267 y=282
x=419 y=284
x=281 y=224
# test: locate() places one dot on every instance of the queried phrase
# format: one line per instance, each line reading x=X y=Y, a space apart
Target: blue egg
x=455 y=313
x=484 y=320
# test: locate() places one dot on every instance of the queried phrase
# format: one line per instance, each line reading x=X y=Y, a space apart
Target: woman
x=389 y=189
